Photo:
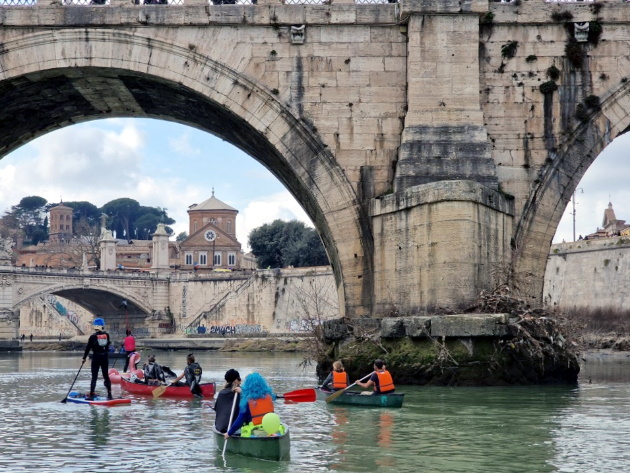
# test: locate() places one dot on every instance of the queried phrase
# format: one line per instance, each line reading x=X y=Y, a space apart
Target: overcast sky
x=157 y=163
x=163 y=164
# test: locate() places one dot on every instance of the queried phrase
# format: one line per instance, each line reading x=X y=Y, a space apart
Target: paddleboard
x=79 y=398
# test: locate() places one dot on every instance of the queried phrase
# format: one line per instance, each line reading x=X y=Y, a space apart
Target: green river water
x=584 y=428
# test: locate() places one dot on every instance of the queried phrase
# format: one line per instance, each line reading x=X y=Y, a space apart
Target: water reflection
x=438 y=430
x=99 y=422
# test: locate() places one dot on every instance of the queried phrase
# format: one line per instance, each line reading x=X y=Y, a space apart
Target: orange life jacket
x=259 y=407
x=339 y=380
x=385 y=382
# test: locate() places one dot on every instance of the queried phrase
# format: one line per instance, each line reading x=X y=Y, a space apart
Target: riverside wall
x=588 y=274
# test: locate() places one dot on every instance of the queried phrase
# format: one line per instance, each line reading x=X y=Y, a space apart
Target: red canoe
x=207 y=389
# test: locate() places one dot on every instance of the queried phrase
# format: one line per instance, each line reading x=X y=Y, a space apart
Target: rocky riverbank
x=267 y=344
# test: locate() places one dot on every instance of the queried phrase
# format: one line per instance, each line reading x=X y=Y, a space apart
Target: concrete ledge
x=423 y=7
x=10 y=345
x=442 y=191
x=449 y=326
x=492 y=325
x=123 y=13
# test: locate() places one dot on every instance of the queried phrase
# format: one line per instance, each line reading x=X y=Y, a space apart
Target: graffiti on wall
x=301 y=325
x=59 y=307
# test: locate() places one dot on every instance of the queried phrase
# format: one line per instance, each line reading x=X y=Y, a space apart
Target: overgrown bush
x=573 y=51
x=548 y=87
x=553 y=73
x=508 y=50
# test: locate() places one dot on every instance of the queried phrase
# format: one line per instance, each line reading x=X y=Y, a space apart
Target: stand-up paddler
x=99 y=343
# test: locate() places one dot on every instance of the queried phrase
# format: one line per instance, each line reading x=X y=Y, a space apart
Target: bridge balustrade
x=30 y=3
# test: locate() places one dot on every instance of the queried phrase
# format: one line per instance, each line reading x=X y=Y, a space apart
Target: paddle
x=301 y=395
x=65 y=399
x=336 y=394
x=229 y=424
x=157 y=392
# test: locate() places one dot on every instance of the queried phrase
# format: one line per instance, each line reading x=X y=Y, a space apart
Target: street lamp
x=574 y=192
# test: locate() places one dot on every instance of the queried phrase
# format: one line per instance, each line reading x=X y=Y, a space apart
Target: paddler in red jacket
x=381 y=379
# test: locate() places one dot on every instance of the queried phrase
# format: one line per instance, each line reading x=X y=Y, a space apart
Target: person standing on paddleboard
x=99 y=344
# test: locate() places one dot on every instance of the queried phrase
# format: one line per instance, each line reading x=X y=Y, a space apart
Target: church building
x=210 y=246
x=212 y=242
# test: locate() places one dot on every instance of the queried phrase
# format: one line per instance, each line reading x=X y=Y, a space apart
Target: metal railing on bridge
x=30 y=3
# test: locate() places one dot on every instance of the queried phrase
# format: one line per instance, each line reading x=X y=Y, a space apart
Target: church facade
x=211 y=245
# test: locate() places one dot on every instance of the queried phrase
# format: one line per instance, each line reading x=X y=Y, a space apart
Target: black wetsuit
x=223 y=409
x=99 y=344
x=192 y=372
x=153 y=372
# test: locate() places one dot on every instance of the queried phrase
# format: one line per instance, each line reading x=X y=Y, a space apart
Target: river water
x=584 y=428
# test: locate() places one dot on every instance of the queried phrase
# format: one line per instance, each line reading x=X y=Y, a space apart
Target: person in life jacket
x=337 y=379
x=381 y=379
x=129 y=344
x=99 y=344
x=192 y=372
x=153 y=372
x=256 y=401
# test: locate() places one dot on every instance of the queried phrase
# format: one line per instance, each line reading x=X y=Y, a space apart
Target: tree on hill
x=130 y=220
x=30 y=217
x=121 y=213
x=83 y=210
x=281 y=244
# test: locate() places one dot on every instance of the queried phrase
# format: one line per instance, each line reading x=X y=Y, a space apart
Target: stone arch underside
x=51 y=79
x=549 y=198
x=96 y=301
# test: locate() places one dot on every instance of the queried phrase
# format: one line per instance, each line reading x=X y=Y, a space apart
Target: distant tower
x=60 y=224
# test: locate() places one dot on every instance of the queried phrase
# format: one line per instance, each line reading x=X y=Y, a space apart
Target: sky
x=157 y=163
x=164 y=164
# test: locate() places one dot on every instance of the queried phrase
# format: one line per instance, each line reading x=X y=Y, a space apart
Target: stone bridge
x=97 y=291
x=164 y=301
x=434 y=143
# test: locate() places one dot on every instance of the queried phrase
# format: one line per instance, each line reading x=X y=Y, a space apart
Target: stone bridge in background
x=434 y=143
x=163 y=301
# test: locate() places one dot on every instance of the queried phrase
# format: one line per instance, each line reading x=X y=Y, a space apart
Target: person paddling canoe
x=225 y=401
x=99 y=344
x=192 y=372
x=381 y=379
x=337 y=379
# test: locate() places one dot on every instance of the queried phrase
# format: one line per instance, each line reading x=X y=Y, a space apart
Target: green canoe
x=267 y=448
x=354 y=398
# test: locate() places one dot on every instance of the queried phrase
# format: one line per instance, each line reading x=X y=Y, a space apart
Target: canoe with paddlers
x=365 y=398
x=182 y=392
x=267 y=447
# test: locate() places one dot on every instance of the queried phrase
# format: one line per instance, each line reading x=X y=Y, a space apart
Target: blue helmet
x=98 y=324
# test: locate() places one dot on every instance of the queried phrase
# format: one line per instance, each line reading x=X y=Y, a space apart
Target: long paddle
x=229 y=423
x=301 y=395
x=336 y=394
x=65 y=399
x=157 y=392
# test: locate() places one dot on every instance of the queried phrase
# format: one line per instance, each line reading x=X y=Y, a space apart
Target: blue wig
x=254 y=387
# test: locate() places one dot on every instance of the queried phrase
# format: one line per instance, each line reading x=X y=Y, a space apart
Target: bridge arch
x=55 y=78
x=96 y=301
x=552 y=192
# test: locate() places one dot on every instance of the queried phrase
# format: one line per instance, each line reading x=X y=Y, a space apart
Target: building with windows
x=211 y=243
x=60 y=224
x=210 y=246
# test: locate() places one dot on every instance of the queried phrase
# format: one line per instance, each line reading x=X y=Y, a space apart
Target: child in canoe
x=337 y=379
